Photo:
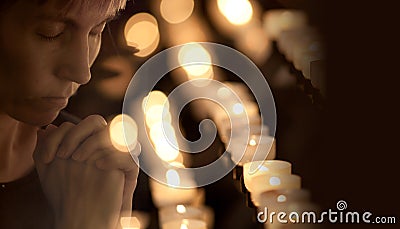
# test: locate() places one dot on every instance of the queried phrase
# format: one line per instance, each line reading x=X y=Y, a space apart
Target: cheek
x=94 y=49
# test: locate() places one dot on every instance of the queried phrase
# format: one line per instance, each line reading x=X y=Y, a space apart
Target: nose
x=76 y=61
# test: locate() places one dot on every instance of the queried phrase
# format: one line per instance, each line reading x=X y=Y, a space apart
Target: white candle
x=272 y=182
x=261 y=168
x=278 y=200
x=276 y=21
x=257 y=147
x=239 y=131
x=180 y=212
x=184 y=224
x=164 y=195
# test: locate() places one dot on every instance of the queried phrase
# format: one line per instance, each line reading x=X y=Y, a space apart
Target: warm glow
x=184 y=226
x=195 y=60
x=141 y=31
x=238 y=12
x=224 y=93
x=130 y=223
x=176 y=11
x=162 y=130
x=252 y=142
x=154 y=98
x=157 y=114
x=238 y=108
x=281 y=198
x=123 y=132
x=166 y=149
x=274 y=181
x=173 y=178
x=181 y=208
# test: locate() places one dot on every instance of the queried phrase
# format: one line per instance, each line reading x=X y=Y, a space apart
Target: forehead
x=83 y=7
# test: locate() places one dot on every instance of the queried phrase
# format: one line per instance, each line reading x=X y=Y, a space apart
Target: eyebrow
x=64 y=19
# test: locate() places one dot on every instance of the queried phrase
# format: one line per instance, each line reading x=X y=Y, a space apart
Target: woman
x=56 y=177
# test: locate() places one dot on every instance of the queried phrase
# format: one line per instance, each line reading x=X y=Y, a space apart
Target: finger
x=93 y=147
x=82 y=131
x=117 y=160
x=49 y=141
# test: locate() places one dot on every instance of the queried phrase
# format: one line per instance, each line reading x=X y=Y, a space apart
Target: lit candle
x=254 y=129
x=265 y=183
x=258 y=147
x=180 y=212
x=276 y=21
x=261 y=168
x=185 y=224
x=166 y=195
x=239 y=114
x=278 y=200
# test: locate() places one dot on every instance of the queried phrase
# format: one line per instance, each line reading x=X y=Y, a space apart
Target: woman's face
x=45 y=55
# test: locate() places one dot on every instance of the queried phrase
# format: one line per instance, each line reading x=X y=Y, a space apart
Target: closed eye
x=49 y=37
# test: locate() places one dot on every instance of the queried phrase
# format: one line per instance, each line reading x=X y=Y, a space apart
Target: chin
x=37 y=118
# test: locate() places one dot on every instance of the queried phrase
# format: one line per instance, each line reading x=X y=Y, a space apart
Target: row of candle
x=269 y=182
x=300 y=43
x=179 y=208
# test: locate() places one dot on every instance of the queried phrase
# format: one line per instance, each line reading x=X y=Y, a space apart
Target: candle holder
x=254 y=169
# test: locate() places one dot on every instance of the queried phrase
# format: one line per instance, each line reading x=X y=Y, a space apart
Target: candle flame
x=173 y=178
x=275 y=181
x=281 y=198
x=184 y=224
x=252 y=142
x=181 y=208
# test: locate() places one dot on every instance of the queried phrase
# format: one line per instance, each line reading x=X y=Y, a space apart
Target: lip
x=57 y=102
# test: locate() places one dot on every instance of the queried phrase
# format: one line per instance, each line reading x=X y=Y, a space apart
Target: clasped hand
x=88 y=183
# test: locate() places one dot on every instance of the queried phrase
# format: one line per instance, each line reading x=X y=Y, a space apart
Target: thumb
x=40 y=155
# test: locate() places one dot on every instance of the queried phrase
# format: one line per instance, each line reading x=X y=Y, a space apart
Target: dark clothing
x=23 y=205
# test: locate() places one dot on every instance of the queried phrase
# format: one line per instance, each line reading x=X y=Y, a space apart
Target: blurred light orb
x=173 y=178
x=155 y=98
x=166 y=150
x=123 y=132
x=176 y=11
x=237 y=12
x=141 y=31
x=195 y=59
x=157 y=114
x=238 y=108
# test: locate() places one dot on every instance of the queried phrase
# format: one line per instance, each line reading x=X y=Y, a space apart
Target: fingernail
x=62 y=153
x=76 y=156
